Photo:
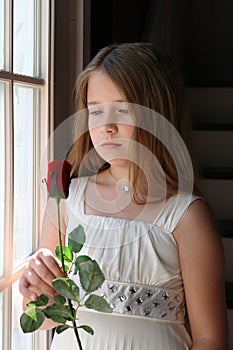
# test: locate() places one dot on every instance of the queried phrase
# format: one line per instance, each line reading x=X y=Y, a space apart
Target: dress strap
x=174 y=210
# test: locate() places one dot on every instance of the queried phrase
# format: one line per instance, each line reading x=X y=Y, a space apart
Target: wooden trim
x=86 y=32
x=68 y=56
x=21 y=78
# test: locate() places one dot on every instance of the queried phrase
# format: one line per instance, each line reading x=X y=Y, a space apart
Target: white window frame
x=44 y=83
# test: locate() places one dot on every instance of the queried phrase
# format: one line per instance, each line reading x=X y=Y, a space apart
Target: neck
x=118 y=174
x=123 y=183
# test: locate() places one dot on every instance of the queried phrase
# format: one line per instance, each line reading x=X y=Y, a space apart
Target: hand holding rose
x=38 y=275
x=46 y=285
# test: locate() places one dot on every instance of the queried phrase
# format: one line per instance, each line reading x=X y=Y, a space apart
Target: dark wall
x=197 y=34
x=116 y=21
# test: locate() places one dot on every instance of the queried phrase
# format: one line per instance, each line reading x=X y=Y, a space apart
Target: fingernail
x=33 y=297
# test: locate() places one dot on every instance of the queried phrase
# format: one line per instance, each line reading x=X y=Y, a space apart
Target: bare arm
x=202 y=265
x=43 y=267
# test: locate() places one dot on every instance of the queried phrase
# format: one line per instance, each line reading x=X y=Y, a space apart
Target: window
x=25 y=38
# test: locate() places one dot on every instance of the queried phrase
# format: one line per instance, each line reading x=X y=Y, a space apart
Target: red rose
x=58 y=179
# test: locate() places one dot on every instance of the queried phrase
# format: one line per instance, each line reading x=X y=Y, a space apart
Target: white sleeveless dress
x=143 y=279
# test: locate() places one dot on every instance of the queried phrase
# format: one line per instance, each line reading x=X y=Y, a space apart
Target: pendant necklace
x=125 y=186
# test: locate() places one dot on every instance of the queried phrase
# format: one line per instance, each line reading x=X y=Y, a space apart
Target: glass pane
x=25 y=37
x=25 y=105
x=18 y=338
x=2 y=33
x=2 y=175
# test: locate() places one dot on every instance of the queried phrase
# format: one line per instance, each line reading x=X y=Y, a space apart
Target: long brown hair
x=148 y=78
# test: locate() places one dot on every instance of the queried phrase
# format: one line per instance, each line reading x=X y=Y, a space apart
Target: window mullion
x=8 y=220
x=36 y=155
x=13 y=277
x=7 y=312
x=37 y=24
x=8 y=42
x=21 y=78
x=9 y=185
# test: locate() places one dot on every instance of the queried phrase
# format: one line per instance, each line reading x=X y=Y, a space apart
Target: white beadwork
x=145 y=301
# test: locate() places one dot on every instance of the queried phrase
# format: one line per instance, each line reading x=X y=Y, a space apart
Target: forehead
x=100 y=89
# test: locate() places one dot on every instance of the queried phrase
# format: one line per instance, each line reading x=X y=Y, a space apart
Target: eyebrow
x=99 y=103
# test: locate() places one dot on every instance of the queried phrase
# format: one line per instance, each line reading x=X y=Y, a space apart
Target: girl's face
x=111 y=124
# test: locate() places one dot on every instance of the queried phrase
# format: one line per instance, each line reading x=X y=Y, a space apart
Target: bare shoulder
x=198 y=239
x=197 y=223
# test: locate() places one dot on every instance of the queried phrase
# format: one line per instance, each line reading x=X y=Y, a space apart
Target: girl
x=134 y=192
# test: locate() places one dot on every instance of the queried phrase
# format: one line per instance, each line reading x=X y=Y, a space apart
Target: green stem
x=63 y=268
x=60 y=236
x=75 y=326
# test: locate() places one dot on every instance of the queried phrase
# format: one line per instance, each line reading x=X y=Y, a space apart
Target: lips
x=110 y=145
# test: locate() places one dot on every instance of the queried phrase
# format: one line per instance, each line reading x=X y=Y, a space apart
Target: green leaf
x=67 y=254
x=62 y=328
x=88 y=329
x=76 y=239
x=31 y=320
x=66 y=287
x=98 y=303
x=91 y=276
x=59 y=299
x=58 y=313
x=66 y=268
x=80 y=259
x=41 y=301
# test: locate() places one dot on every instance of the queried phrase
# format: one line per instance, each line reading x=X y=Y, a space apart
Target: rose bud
x=58 y=179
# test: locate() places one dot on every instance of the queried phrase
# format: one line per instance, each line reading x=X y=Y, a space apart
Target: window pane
x=2 y=34
x=18 y=338
x=25 y=37
x=25 y=105
x=2 y=175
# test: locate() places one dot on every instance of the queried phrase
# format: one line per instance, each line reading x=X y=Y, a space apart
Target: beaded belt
x=144 y=301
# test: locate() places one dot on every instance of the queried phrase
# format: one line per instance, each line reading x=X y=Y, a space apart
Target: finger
x=25 y=290
x=37 y=278
x=44 y=266
x=40 y=276
x=38 y=268
x=35 y=281
x=51 y=263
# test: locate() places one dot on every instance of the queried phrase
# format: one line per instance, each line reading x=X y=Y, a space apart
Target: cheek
x=94 y=134
x=127 y=131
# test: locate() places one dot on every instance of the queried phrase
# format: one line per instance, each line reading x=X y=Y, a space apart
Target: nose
x=109 y=128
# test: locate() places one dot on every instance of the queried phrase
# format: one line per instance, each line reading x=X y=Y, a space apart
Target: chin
x=118 y=162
